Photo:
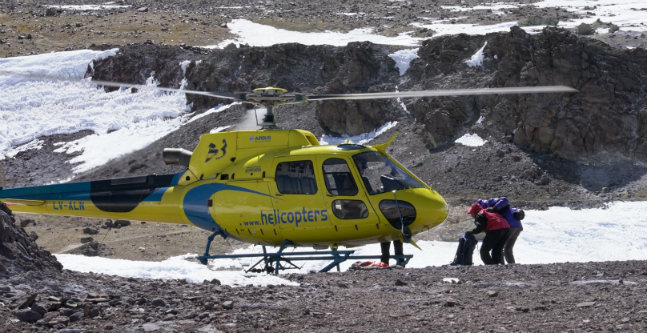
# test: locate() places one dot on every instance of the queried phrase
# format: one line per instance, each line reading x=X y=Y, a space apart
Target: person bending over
x=496 y=233
x=513 y=216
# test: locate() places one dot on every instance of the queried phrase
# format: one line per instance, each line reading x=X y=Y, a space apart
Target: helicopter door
x=352 y=214
x=241 y=208
x=298 y=209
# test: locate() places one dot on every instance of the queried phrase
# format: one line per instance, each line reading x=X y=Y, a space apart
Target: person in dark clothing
x=513 y=216
x=397 y=249
x=496 y=233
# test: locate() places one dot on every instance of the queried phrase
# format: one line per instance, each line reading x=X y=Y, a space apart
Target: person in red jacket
x=496 y=233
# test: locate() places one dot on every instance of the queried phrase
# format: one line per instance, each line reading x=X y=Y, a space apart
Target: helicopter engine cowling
x=176 y=156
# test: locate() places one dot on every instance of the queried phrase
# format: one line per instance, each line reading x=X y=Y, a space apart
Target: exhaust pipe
x=176 y=156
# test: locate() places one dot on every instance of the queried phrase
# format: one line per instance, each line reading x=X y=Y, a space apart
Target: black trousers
x=386 y=246
x=509 y=244
x=494 y=242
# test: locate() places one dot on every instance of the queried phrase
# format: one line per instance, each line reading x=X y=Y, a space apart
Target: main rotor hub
x=270 y=98
x=270 y=91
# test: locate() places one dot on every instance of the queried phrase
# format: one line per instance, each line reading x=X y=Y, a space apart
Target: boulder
x=19 y=251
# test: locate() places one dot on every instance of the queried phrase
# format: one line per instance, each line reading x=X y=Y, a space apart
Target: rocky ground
x=572 y=297
x=33 y=26
x=35 y=295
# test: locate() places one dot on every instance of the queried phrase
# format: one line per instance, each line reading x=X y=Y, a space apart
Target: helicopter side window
x=296 y=177
x=349 y=209
x=339 y=180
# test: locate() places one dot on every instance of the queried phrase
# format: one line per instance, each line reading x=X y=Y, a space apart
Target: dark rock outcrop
x=359 y=67
x=18 y=251
x=605 y=122
x=137 y=63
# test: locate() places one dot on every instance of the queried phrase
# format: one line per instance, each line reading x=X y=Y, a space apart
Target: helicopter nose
x=414 y=210
x=432 y=212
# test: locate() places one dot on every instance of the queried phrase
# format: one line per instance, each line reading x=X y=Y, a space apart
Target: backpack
x=466 y=245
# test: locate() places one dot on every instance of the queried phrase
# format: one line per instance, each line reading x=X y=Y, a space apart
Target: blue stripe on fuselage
x=196 y=207
x=157 y=195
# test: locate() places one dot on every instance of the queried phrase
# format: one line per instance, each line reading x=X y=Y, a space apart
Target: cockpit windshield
x=381 y=175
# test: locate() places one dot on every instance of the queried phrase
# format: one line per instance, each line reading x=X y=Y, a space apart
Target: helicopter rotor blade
x=165 y=89
x=271 y=96
x=116 y=84
x=445 y=92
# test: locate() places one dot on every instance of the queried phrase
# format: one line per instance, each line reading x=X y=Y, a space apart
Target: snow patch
x=254 y=34
x=173 y=268
x=403 y=58
x=471 y=140
x=35 y=144
x=546 y=238
x=106 y=6
x=477 y=58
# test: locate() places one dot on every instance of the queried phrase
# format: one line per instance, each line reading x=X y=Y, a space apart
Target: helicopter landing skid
x=272 y=261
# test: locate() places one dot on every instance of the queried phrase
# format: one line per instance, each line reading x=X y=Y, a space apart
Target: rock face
x=359 y=67
x=137 y=63
x=602 y=123
x=605 y=121
x=18 y=251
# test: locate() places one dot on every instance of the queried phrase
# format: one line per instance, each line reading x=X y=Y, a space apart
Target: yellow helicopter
x=270 y=186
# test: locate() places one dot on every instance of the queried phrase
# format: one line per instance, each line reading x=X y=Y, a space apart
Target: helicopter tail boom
x=137 y=198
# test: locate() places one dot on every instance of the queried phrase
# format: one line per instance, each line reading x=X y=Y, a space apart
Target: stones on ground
x=400 y=283
x=90 y=231
x=97 y=298
x=28 y=301
x=518 y=308
x=121 y=223
x=86 y=240
x=72 y=330
x=26 y=222
x=76 y=316
x=151 y=327
x=158 y=302
x=38 y=308
x=450 y=303
x=18 y=250
x=228 y=305
x=28 y=315
x=92 y=249
x=585 y=304
x=58 y=320
x=109 y=224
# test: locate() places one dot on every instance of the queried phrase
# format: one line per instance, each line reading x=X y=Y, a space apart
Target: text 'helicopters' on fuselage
x=263 y=187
